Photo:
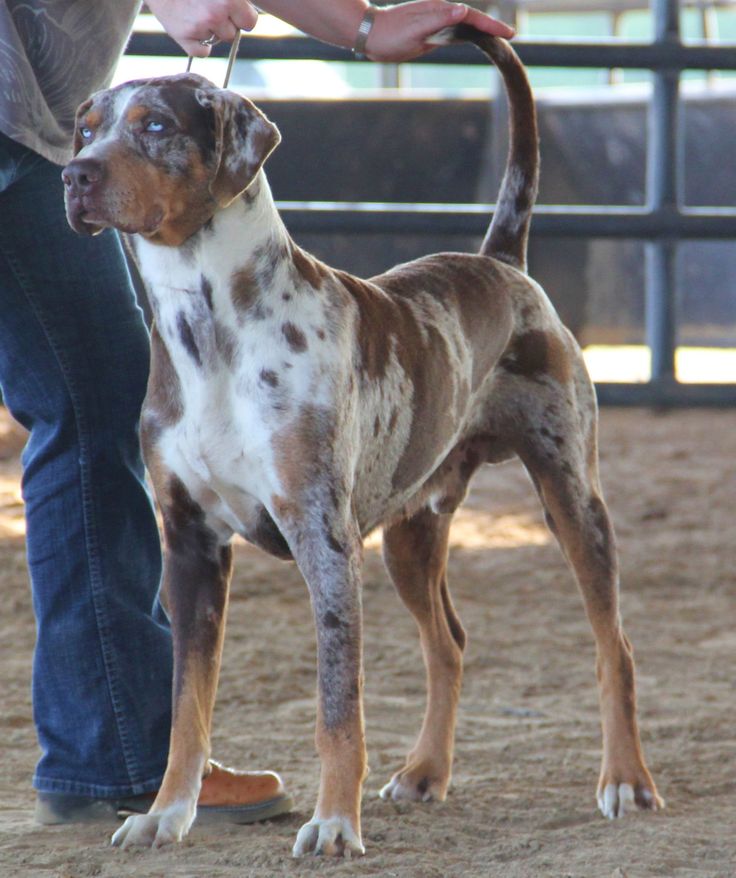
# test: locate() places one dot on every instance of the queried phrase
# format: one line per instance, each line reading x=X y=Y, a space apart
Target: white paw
x=155 y=830
x=419 y=782
x=333 y=836
x=616 y=800
x=398 y=790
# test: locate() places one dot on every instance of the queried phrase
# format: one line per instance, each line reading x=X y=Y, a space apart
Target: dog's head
x=158 y=157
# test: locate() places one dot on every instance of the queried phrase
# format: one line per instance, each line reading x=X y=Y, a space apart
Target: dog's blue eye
x=86 y=133
x=155 y=127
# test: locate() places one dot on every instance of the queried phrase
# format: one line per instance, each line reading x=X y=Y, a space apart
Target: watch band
x=364 y=30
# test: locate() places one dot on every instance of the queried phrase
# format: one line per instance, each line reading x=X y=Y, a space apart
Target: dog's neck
x=251 y=218
x=246 y=233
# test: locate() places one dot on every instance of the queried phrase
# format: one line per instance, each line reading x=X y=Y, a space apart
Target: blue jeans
x=73 y=371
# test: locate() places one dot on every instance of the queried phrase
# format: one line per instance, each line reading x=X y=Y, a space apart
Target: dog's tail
x=509 y=230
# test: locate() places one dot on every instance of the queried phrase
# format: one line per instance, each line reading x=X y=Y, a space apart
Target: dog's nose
x=81 y=175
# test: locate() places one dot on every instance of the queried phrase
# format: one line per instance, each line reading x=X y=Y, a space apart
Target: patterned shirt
x=53 y=55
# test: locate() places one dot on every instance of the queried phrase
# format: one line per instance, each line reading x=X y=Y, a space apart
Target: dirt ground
x=527 y=753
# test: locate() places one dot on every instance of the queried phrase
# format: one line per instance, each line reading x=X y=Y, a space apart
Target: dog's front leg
x=197 y=568
x=329 y=555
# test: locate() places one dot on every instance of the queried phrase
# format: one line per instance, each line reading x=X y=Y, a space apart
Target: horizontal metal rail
x=667 y=394
x=550 y=221
x=604 y=54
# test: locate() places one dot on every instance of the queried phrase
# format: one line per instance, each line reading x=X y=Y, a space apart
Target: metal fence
x=661 y=223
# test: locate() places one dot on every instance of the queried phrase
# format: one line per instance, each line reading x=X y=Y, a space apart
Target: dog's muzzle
x=82 y=180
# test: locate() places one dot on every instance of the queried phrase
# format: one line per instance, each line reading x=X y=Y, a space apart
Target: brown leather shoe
x=230 y=796
x=227 y=796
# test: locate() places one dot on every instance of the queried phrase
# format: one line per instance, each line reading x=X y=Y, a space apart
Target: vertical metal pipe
x=660 y=316
x=663 y=195
x=390 y=75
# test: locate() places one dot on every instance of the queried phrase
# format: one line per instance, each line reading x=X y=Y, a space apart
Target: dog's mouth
x=82 y=218
x=87 y=219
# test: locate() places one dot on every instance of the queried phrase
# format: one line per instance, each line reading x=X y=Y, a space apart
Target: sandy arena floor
x=527 y=754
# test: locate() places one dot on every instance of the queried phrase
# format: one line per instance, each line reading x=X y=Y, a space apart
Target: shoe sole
x=101 y=811
x=56 y=813
x=210 y=815
x=241 y=814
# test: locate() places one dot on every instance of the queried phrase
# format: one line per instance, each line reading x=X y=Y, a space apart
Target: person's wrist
x=364 y=30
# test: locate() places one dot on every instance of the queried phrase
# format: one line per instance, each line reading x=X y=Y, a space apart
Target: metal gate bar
x=663 y=149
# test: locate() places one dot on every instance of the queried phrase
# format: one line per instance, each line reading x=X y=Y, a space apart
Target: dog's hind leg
x=415 y=552
x=559 y=449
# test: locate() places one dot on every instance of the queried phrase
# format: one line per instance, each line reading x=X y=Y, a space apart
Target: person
x=73 y=372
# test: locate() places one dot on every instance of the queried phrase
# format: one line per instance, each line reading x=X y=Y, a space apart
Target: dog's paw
x=617 y=799
x=416 y=783
x=332 y=837
x=154 y=830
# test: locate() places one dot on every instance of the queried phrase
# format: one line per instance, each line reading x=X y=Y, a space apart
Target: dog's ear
x=244 y=139
x=81 y=112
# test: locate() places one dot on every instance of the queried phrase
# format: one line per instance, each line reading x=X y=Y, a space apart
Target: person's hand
x=191 y=21
x=400 y=32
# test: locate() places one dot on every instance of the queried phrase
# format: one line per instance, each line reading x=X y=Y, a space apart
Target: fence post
x=663 y=179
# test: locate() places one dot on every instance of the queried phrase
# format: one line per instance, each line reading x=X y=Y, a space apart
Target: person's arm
x=398 y=33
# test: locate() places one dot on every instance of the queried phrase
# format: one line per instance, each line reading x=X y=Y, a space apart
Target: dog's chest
x=242 y=376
